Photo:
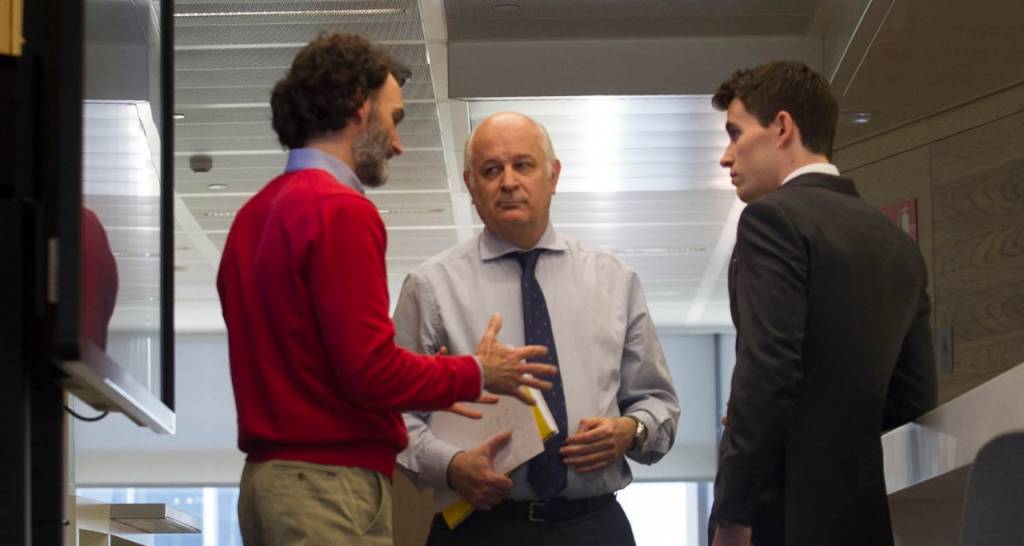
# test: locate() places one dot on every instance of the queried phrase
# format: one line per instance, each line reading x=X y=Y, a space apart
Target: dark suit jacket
x=833 y=347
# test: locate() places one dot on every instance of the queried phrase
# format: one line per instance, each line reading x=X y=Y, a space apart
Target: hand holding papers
x=471 y=473
x=526 y=428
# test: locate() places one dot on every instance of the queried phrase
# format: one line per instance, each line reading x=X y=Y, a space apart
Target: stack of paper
x=530 y=427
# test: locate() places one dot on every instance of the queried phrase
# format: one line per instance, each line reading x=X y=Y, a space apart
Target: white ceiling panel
x=695 y=207
x=209 y=32
x=640 y=174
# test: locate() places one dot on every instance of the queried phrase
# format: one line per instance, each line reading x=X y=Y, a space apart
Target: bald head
x=511 y=173
x=505 y=120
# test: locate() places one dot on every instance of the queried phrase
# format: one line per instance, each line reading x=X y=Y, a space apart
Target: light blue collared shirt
x=609 y=356
x=311 y=158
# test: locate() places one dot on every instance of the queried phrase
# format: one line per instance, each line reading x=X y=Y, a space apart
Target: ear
x=785 y=129
x=362 y=116
x=556 y=169
x=469 y=185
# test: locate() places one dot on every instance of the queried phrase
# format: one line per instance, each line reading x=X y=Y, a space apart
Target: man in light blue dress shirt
x=618 y=400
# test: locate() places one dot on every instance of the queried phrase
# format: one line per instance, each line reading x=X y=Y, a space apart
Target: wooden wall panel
x=903 y=176
x=412 y=510
x=968 y=179
x=978 y=214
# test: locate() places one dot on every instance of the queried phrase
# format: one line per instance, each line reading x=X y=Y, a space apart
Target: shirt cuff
x=480 y=366
x=650 y=424
x=436 y=459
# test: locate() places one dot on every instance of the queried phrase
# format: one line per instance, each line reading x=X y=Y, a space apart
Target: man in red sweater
x=319 y=382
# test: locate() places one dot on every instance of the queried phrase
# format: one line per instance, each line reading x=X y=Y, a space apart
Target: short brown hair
x=328 y=82
x=793 y=87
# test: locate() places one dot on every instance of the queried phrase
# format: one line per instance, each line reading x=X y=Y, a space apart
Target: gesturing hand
x=599 y=442
x=505 y=368
x=459 y=409
x=471 y=474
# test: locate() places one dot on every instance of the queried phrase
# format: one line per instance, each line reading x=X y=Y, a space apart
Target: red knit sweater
x=316 y=372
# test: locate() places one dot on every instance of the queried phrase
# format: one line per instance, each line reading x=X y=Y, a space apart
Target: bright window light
x=662 y=513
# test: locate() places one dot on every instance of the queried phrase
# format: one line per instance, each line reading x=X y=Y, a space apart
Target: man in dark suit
x=831 y=312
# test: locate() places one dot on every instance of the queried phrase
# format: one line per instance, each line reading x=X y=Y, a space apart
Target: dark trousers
x=604 y=526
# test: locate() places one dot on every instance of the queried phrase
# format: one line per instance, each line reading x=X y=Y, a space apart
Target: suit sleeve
x=913 y=389
x=418 y=326
x=348 y=287
x=770 y=286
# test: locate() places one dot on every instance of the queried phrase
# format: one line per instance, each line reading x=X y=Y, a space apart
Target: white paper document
x=509 y=414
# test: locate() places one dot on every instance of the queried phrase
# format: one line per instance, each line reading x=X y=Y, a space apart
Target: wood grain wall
x=965 y=167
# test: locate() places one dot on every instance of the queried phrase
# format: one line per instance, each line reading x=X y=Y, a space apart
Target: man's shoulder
x=466 y=252
x=310 y=190
x=588 y=255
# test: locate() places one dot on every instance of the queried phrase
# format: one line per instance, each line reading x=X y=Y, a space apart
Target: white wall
x=116 y=451
x=691 y=360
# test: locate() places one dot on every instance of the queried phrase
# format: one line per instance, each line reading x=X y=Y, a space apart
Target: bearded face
x=371 y=152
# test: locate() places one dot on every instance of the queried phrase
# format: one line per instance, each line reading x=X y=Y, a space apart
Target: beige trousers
x=290 y=503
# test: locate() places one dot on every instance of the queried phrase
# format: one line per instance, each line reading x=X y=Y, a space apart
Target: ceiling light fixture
x=857 y=118
x=693 y=249
x=312 y=12
x=217 y=187
x=178 y=116
x=411 y=210
x=506 y=6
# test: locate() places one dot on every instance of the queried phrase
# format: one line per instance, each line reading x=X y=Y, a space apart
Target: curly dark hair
x=328 y=82
x=793 y=87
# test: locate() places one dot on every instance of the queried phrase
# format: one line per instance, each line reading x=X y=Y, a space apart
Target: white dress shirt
x=822 y=168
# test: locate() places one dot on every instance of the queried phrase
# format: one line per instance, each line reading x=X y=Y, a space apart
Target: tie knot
x=528 y=260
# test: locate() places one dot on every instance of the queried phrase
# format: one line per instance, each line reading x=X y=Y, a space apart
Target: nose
x=727 y=159
x=509 y=178
x=396 y=144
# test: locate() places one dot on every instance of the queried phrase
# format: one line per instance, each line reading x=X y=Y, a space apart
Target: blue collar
x=311 y=158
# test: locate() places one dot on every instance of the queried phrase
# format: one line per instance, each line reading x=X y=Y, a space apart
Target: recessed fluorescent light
x=857 y=118
x=218 y=187
x=506 y=6
x=411 y=210
x=311 y=12
x=178 y=116
x=219 y=214
x=695 y=249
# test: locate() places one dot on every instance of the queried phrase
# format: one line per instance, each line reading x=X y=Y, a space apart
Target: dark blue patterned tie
x=546 y=472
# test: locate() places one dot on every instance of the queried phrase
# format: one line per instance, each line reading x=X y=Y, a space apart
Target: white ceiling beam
x=200 y=239
x=435 y=33
x=717 y=262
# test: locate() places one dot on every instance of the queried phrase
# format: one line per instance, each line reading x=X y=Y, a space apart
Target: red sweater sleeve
x=348 y=280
